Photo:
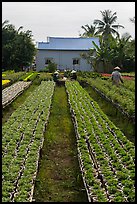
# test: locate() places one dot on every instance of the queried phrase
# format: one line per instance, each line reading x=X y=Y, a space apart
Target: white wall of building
x=63 y=58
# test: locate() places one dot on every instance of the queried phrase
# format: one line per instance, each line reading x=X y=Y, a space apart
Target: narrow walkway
x=59 y=178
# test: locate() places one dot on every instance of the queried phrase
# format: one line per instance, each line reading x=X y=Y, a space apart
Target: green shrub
x=52 y=67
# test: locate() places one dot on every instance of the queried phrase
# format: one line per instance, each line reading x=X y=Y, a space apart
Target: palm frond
x=118 y=26
x=96 y=21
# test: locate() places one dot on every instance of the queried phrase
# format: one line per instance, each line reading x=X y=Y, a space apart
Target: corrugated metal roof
x=62 y=43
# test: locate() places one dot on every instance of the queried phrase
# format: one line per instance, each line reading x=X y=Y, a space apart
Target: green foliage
x=31 y=77
x=18 y=49
x=24 y=160
x=26 y=74
x=106 y=26
x=12 y=76
x=85 y=74
x=52 y=67
x=96 y=124
x=113 y=50
x=89 y=30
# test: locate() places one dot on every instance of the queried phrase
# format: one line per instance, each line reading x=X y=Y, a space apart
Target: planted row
x=12 y=76
x=107 y=157
x=29 y=76
x=122 y=97
x=22 y=139
x=11 y=92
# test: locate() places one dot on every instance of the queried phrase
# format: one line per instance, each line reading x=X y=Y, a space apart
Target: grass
x=59 y=178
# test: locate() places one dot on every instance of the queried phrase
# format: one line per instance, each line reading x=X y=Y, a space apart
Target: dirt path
x=59 y=178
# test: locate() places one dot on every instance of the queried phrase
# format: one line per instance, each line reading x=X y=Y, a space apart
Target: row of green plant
x=22 y=139
x=121 y=95
x=88 y=74
x=106 y=154
x=4 y=73
x=129 y=84
x=12 y=76
x=42 y=76
x=29 y=76
x=131 y=74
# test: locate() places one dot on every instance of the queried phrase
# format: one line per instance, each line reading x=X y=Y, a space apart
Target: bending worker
x=56 y=76
x=73 y=75
x=116 y=76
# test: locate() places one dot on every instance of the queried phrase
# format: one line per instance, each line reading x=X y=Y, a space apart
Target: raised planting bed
x=123 y=97
x=22 y=139
x=106 y=156
x=10 y=93
x=29 y=76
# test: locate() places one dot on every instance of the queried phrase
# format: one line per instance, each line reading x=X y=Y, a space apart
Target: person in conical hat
x=117 y=68
x=116 y=76
x=73 y=71
x=74 y=75
x=56 y=76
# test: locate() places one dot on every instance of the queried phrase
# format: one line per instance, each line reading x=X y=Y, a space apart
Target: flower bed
x=5 y=81
x=123 y=76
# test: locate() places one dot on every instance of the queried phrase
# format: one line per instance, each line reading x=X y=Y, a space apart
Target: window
x=76 y=61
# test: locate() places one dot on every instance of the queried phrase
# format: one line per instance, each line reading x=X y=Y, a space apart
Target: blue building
x=65 y=52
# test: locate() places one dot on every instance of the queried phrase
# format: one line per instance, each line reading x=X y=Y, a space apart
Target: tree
x=113 y=51
x=100 y=57
x=18 y=50
x=106 y=26
x=89 y=30
x=24 y=53
x=8 y=34
x=125 y=53
x=90 y=57
x=116 y=52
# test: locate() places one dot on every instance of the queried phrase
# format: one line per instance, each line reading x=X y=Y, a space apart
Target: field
x=60 y=144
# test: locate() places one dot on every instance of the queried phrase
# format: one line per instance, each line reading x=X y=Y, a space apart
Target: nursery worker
x=116 y=76
x=73 y=75
x=56 y=76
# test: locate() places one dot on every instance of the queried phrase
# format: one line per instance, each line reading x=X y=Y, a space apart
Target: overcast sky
x=64 y=19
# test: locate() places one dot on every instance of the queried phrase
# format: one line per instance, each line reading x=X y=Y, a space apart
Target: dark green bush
x=52 y=67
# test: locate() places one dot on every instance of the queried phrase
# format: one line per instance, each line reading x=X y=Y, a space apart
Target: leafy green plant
x=100 y=141
x=21 y=159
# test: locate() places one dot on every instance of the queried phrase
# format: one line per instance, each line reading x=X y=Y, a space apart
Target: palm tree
x=106 y=26
x=89 y=30
x=4 y=23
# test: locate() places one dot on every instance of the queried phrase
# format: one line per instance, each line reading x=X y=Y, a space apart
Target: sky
x=64 y=19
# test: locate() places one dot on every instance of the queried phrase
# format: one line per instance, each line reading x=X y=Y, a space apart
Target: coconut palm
x=4 y=24
x=106 y=26
x=89 y=30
